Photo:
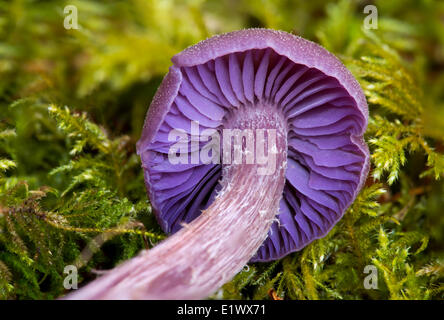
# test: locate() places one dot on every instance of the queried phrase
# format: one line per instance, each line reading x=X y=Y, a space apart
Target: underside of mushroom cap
x=321 y=104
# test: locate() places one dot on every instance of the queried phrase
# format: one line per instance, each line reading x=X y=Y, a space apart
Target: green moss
x=71 y=187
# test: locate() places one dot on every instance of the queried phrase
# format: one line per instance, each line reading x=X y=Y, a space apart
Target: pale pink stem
x=197 y=260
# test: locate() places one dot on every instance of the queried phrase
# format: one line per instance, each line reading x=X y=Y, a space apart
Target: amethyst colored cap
x=326 y=114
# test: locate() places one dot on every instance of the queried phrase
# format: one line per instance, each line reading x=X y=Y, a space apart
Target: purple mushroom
x=286 y=92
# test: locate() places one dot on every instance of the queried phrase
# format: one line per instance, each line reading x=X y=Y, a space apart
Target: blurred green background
x=71 y=187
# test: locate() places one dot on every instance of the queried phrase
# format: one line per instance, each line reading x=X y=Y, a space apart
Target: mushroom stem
x=202 y=256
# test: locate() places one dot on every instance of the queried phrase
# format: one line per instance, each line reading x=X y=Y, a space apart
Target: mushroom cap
x=326 y=116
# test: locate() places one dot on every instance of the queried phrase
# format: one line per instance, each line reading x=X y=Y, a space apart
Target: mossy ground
x=72 y=104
